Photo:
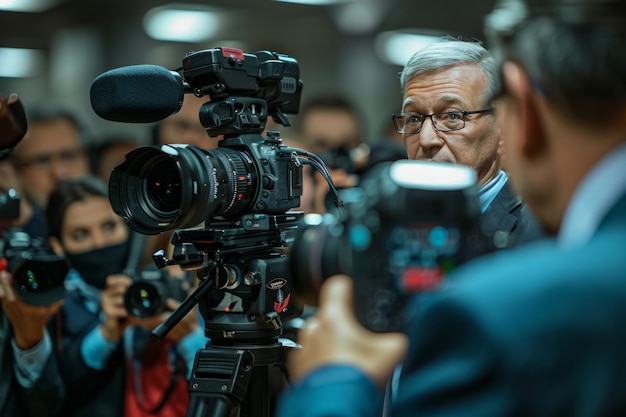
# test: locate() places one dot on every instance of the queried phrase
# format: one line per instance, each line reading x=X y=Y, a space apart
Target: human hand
x=334 y=336
x=12 y=121
x=186 y=325
x=28 y=321
x=112 y=304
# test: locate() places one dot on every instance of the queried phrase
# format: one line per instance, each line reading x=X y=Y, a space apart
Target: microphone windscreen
x=137 y=94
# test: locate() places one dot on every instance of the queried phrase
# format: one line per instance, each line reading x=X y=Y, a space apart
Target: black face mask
x=96 y=265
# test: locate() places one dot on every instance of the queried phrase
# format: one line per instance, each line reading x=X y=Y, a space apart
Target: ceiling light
x=19 y=62
x=315 y=2
x=359 y=17
x=397 y=47
x=29 y=6
x=181 y=23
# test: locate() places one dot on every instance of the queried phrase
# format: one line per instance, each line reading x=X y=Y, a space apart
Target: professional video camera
x=403 y=229
x=37 y=272
x=242 y=192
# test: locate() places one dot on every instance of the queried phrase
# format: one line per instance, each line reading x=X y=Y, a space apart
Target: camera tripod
x=243 y=297
x=237 y=380
x=234 y=377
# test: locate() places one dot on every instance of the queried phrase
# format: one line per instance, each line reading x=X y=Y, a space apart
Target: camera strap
x=152 y=369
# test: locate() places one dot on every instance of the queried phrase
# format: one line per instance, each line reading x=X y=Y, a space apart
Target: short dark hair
x=330 y=101
x=573 y=52
x=68 y=192
x=96 y=150
x=45 y=114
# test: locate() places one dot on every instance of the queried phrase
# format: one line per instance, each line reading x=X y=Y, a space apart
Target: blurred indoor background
x=51 y=50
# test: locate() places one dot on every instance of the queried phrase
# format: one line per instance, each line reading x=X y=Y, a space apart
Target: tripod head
x=245 y=291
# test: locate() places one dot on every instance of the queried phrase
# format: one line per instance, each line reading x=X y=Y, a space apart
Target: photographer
x=532 y=331
x=30 y=384
x=108 y=364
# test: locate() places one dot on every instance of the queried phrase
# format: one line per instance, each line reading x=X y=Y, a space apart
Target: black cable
x=303 y=157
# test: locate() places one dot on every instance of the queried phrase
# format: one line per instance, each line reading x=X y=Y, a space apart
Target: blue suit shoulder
x=537 y=328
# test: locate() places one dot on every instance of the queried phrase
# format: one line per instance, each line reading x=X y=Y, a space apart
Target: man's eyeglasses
x=67 y=157
x=410 y=123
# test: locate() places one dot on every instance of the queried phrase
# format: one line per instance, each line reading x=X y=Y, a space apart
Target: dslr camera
x=37 y=272
x=402 y=230
x=146 y=296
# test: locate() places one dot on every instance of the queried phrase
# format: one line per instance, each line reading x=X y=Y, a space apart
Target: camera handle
x=234 y=381
x=160 y=331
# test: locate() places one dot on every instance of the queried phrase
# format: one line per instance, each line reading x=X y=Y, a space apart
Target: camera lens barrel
x=404 y=228
x=160 y=188
x=144 y=299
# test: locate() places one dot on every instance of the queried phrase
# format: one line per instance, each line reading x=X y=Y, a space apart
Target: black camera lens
x=318 y=251
x=144 y=299
x=163 y=187
x=160 y=188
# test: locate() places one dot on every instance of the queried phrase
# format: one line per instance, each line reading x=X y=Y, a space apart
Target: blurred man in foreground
x=536 y=330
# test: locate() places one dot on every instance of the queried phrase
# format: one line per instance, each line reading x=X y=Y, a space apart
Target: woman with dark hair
x=108 y=364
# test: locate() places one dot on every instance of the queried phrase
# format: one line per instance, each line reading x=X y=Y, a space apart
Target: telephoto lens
x=148 y=189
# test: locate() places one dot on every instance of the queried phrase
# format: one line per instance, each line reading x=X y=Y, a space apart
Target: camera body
x=404 y=228
x=37 y=272
x=150 y=289
x=160 y=188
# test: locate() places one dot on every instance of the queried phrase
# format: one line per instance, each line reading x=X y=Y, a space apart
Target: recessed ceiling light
x=315 y=2
x=20 y=62
x=358 y=18
x=396 y=47
x=28 y=6
x=181 y=23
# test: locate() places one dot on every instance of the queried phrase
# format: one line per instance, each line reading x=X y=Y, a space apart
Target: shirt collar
x=490 y=190
x=600 y=190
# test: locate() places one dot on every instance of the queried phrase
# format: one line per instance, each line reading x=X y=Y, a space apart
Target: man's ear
x=56 y=246
x=533 y=139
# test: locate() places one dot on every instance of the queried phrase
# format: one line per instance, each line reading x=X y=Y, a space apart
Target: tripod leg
x=219 y=382
x=235 y=381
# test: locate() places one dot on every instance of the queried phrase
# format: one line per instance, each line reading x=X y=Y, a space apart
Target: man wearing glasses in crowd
x=447 y=117
x=51 y=151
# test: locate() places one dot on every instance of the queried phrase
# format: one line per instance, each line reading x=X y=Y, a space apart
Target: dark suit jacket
x=507 y=222
x=42 y=400
x=90 y=392
x=544 y=339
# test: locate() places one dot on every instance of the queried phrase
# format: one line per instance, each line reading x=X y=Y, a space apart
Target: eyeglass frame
x=464 y=113
x=44 y=162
